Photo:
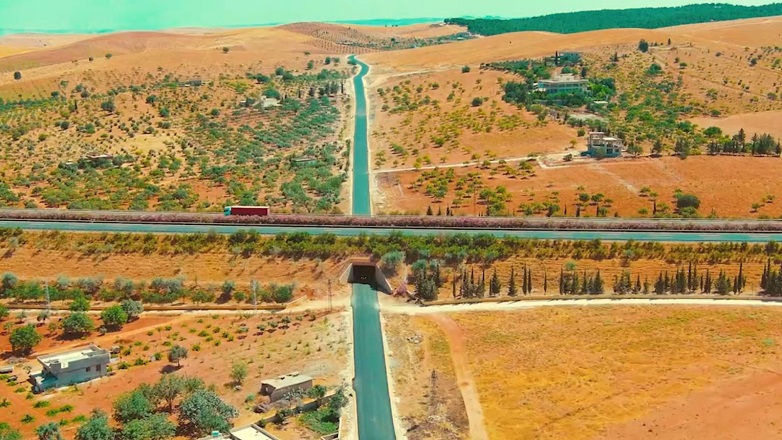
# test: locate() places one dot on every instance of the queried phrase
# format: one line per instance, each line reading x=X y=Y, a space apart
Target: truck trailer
x=261 y=211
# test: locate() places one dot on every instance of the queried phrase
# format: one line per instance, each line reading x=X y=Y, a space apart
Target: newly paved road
x=373 y=403
x=746 y=237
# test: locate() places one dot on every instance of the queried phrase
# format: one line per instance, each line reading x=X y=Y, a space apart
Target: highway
x=373 y=403
x=174 y=228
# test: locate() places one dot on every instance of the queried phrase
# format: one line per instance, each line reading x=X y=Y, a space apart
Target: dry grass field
x=314 y=344
x=583 y=373
x=725 y=74
x=357 y=39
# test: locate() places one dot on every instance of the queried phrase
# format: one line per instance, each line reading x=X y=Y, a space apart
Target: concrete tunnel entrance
x=366 y=272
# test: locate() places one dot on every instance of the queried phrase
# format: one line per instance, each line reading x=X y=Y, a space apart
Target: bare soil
x=430 y=403
x=576 y=373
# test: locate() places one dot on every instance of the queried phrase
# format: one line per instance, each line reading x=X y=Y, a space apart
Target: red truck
x=261 y=211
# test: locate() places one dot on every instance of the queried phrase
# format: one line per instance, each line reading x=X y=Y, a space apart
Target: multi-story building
x=563 y=84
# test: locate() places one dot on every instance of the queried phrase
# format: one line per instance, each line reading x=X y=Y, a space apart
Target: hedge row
x=439 y=222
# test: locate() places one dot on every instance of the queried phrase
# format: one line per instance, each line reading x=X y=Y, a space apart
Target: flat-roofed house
x=71 y=367
x=600 y=145
x=278 y=387
x=249 y=432
x=563 y=84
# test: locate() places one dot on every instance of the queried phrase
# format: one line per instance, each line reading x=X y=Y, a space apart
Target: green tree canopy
x=79 y=304
x=239 y=372
x=645 y=18
x=132 y=308
x=177 y=353
x=153 y=427
x=49 y=431
x=77 y=324
x=172 y=386
x=114 y=317
x=9 y=433
x=96 y=428
x=132 y=405
x=23 y=339
x=203 y=412
x=687 y=201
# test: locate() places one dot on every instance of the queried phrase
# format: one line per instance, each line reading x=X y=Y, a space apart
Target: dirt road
x=472 y=403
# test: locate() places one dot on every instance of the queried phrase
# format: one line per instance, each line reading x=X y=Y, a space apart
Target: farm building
x=563 y=84
x=279 y=387
x=600 y=145
x=70 y=367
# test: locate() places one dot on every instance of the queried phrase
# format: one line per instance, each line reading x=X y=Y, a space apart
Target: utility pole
x=48 y=301
x=329 y=295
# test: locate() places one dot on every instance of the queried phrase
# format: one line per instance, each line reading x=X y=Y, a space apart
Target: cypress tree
x=494 y=284
x=512 y=290
x=545 y=282
x=742 y=279
x=429 y=210
x=707 y=282
x=667 y=283
x=689 y=277
x=584 y=286
x=764 y=277
x=637 y=289
x=529 y=281
x=598 y=284
x=438 y=280
x=646 y=286
x=524 y=288
x=453 y=287
x=561 y=281
x=482 y=291
x=574 y=284
x=659 y=285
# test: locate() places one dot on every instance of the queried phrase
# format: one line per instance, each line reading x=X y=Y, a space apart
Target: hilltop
x=646 y=18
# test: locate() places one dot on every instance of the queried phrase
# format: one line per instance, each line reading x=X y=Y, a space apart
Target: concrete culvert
x=360 y=272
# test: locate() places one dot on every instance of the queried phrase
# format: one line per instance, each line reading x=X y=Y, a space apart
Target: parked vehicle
x=6 y=369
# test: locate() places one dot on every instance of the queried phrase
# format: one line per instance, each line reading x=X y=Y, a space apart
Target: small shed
x=280 y=386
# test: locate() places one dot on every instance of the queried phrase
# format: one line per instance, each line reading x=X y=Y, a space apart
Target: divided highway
x=171 y=228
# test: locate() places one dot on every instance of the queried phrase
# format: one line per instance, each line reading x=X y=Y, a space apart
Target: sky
x=102 y=15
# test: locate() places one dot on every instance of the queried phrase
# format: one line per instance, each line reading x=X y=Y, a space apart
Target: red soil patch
x=739 y=409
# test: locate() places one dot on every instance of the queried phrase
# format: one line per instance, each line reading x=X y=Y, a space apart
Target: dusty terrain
x=168 y=110
x=430 y=404
x=714 y=180
x=761 y=122
x=723 y=74
x=584 y=373
x=312 y=344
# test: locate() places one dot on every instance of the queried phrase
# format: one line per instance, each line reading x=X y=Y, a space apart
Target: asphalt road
x=373 y=403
